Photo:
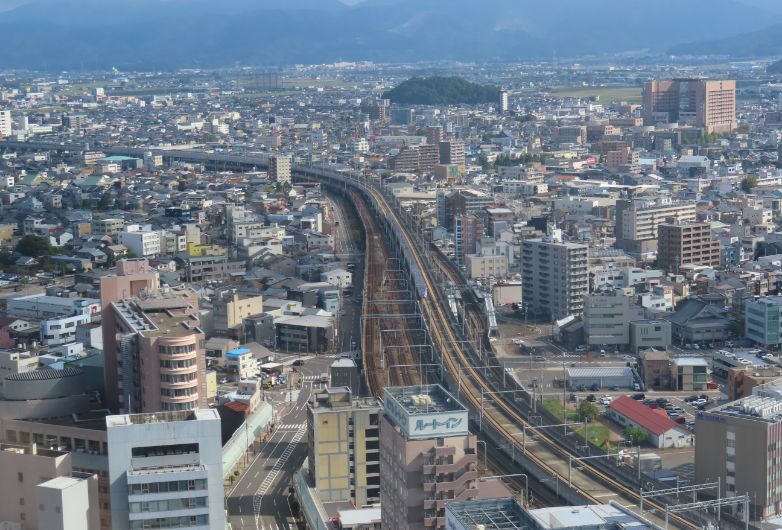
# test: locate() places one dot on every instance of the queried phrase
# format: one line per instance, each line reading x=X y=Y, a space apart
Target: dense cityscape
x=451 y=295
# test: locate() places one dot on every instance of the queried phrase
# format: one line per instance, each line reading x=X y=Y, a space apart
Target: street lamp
x=526 y=482
x=485 y=454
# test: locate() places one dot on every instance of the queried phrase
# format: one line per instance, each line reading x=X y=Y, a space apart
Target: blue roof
x=238 y=352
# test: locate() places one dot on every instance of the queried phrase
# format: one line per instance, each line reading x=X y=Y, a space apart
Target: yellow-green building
x=344 y=446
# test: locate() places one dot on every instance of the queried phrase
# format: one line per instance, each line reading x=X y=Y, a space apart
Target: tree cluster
x=441 y=90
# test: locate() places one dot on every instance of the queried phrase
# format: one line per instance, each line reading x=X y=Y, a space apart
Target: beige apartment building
x=83 y=436
x=688 y=243
x=709 y=104
x=485 y=266
x=427 y=457
x=280 y=168
x=344 y=446
x=230 y=308
x=107 y=227
x=637 y=222
x=26 y=469
x=739 y=444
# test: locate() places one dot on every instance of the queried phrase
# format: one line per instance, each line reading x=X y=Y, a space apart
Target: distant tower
x=503 y=106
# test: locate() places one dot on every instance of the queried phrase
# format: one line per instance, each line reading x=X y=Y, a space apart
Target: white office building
x=142 y=243
x=6 y=124
x=165 y=470
x=64 y=502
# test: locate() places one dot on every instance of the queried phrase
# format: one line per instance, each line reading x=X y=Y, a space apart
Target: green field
x=605 y=94
x=598 y=434
x=554 y=406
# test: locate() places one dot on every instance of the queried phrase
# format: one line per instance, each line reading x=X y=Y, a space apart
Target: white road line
x=275 y=471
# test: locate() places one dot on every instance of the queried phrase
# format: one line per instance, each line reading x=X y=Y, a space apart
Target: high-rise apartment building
x=466 y=232
x=376 y=110
x=166 y=470
x=434 y=134
x=555 y=277
x=452 y=152
x=280 y=168
x=739 y=445
x=427 y=457
x=461 y=202
x=344 y=446
x=637 y=222
x=689 y=243
x=6 y=123
x=698 y=102
x=503 y=102
x=134 y=277
x=160 y=351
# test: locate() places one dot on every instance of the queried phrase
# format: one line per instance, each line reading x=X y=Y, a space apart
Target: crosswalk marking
x=292 y=426
x=272 y=475
x=311 y=378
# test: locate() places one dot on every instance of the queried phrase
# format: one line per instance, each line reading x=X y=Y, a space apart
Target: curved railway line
x=503 y=416
x=382 y=290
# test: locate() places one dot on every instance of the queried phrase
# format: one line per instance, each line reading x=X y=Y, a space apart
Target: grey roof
x=601 y=371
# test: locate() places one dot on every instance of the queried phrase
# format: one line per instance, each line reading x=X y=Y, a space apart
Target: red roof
x=643 y=416
x=238 y=407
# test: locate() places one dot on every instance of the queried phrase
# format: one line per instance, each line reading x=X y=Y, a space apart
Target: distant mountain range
x=760 y=43
x=164 y=34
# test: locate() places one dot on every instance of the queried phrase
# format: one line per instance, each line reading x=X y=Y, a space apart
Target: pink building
x=427 y=457
x=133 y=277
x=160 y=352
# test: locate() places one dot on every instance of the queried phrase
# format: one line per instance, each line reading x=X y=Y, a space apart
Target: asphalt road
x=259 y=499
x=350 y=319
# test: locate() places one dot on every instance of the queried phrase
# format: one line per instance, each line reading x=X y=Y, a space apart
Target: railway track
x=381 y=364
x=502 y=416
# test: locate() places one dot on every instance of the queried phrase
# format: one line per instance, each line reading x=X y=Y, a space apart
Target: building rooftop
x=238 y=352
x=654 y=422
x=424 y=399
x=601 y=371
x=489 y=514
x=507 y=514
x=161 y=417
x=765 y=404
x=175 y=322
x=45 y=374
x=94 y=420
x=691 y=361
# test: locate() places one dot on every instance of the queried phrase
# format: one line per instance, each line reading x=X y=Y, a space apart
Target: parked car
x=615 y=388
x=298 y=362
x=699 y=402
x=639 y=396
x=594 y=388
x=591 y=398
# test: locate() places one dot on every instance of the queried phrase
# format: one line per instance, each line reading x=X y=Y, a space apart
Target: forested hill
x=441 y=91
